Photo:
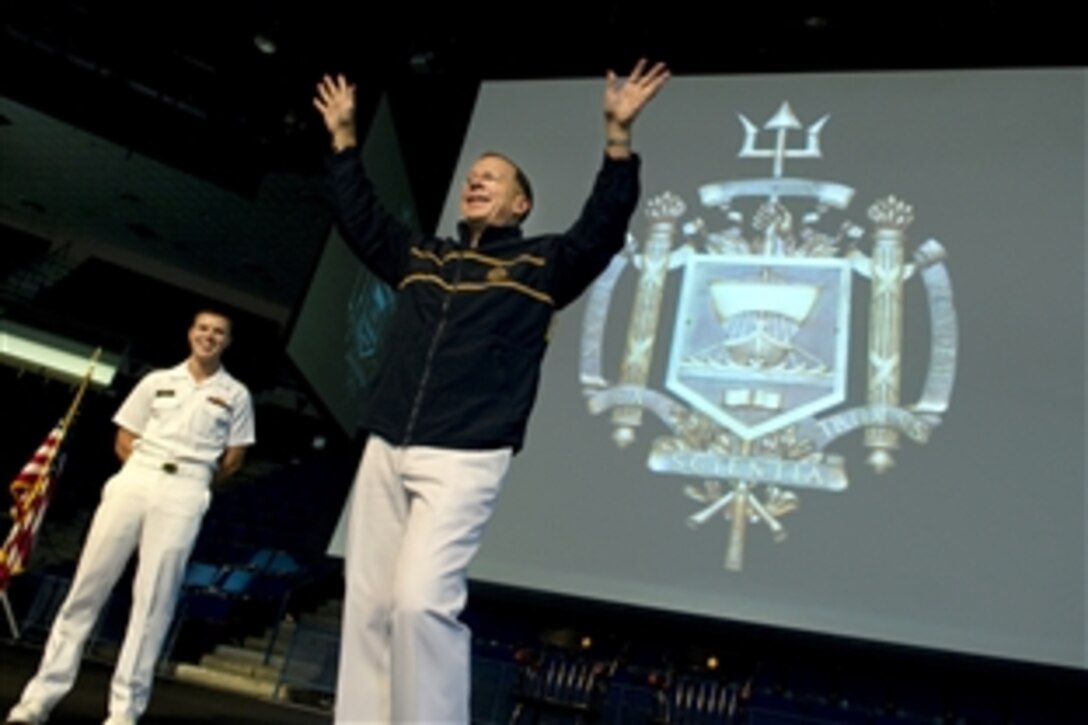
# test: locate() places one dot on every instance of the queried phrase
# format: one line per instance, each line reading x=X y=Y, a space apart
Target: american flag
x=31 y=491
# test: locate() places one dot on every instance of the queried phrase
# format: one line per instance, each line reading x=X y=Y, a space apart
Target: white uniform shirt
x=178 y=419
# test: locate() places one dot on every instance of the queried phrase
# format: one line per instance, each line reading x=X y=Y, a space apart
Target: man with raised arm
x=452 y=399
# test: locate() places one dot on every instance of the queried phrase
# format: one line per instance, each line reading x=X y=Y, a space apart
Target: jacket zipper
x=431 y=350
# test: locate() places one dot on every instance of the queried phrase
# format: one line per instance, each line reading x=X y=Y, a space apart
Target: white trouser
x=143 y=507
x=417 y=516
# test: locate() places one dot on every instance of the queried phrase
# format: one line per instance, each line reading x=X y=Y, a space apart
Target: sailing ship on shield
x=758 y=350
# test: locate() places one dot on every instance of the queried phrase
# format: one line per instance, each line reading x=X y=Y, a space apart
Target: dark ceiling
x=191 y=156
x=186 y=83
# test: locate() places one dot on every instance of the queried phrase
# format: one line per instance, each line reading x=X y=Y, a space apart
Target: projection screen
x=336 y=333
x=836 y=381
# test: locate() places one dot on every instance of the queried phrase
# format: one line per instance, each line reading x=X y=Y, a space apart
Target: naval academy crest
x=754 y=388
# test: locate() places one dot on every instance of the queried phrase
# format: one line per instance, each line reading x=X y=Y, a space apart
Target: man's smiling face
x=491 y=195
x=209 y=336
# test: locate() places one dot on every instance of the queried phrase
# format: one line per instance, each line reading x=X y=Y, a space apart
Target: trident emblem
x=781 y=123
x=758 y=349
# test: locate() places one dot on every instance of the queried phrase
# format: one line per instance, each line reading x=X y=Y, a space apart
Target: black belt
x=191 y=469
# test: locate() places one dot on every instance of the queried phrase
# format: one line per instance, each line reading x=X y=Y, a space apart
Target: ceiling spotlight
x=265 y=44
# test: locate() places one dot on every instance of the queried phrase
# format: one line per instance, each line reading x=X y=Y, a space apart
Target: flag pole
x=35 y=489
x=9 y=615
x=83 y=385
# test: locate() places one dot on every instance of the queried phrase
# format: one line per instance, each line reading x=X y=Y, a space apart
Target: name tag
x=164 y=393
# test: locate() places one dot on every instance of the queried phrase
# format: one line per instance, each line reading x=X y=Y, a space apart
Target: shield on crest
x=760 y=343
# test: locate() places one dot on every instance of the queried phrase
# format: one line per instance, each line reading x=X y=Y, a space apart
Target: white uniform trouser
x=143 y=507
x=417 y=516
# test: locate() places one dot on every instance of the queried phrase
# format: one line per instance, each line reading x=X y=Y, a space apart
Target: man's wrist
x=617 y=142
x=343 y=139
x=617 y=138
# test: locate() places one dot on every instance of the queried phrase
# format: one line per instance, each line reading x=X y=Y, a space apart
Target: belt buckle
x=170 y=467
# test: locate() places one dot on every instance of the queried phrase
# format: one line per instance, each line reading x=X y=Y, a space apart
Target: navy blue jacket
x=471 y=325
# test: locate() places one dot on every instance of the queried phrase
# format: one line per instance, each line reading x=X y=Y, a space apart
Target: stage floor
x=172 y=701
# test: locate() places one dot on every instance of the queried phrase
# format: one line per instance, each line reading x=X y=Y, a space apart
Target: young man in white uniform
x=179 y=430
